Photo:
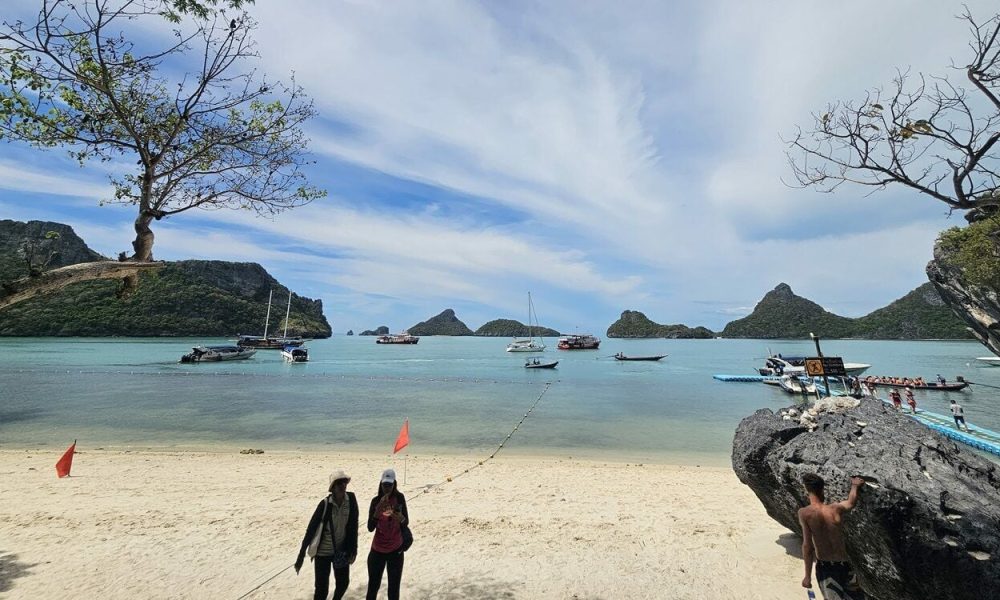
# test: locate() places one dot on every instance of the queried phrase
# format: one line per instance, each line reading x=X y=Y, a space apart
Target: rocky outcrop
x=634 y=324
x=350 y=332
x=927 y=524
x=68 y=248
x=380 y=330
x=512 y=328
x=445 y=323
x=976 y=304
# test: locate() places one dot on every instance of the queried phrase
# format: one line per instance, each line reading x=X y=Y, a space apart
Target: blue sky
x=603 y=155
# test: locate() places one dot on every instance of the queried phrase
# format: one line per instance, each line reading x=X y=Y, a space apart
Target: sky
x=605 y=156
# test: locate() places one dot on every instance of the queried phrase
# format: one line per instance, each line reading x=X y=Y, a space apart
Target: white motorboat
x=989 y=360
x=529 y=344
x=795 y=365
x=295 y=354
x=795 y=384
x=217 y=353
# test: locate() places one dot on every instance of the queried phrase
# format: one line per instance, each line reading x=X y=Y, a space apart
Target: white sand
x=215 y=525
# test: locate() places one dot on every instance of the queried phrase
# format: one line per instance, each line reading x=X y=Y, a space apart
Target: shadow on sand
x=11 y=569
x=463 y=589
x=792 y=544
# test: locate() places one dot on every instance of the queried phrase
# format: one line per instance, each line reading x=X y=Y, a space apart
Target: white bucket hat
x=339 y=474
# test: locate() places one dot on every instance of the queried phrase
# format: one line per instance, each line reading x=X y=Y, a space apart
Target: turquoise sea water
x=462 y=395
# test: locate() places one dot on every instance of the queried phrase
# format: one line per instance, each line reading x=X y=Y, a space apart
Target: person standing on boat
x=387 y=516
x=331 y=538
x=897 y=401
x=911 y=400
x=959 y=413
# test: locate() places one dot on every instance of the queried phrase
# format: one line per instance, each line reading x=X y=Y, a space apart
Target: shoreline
x=184 y=524
x=690 y=459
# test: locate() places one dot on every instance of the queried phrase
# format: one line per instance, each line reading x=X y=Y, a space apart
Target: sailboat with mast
x=275 y=343
x=529 y=344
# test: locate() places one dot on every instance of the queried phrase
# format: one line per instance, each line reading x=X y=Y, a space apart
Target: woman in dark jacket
x=332 y=538
x=386 y=517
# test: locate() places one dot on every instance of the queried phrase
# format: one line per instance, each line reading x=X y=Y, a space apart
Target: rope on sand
x=437 y=485
x=268 y=580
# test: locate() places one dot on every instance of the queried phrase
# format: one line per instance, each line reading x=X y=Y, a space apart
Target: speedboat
x=795 y=384
x=217 y=353
x=990 y=360
x=295 y=354
x=796 y=365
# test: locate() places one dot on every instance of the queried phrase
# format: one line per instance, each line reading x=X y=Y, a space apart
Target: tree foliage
x=976 y=249
x=204 y=129
x=926 y=133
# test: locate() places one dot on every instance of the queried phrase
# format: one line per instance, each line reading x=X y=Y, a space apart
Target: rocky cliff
x=68 y=248
x=445 y=323
x=185 y=298
x=927 y=524
x=634 y=324
x=380 y=330
x=966 y=273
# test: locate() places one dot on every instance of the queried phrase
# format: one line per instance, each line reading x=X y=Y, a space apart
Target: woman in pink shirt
x=386 y=517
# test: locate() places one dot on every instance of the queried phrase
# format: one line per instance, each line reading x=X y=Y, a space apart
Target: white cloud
x=640 y=142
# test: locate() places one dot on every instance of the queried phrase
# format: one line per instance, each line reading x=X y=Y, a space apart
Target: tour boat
x=397 y=338
x=583 y=341
x=262 y=342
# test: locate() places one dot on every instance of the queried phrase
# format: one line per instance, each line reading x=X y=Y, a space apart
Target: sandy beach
x=158 y=524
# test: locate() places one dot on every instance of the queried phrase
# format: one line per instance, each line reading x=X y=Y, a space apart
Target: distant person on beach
x=823 y=541
x=959 y=413
x=911 y=400
x=387 y=516
x=332 y=538
x=897 y=401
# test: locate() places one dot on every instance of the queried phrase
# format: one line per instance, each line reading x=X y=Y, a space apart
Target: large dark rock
x=928 y=526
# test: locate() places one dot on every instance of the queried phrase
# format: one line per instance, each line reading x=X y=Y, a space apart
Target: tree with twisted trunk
x=203 y=129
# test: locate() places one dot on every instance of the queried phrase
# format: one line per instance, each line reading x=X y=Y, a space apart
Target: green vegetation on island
x=511 y=328
x=634 y=324
x=185 y=298
x=380 y=330
x=781 y=314
x=445 y=323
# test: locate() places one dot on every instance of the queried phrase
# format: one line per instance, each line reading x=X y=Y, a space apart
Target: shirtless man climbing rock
x=823 y=541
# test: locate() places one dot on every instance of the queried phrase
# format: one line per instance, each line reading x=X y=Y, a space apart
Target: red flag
x=66 y=462
x=404 y=437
